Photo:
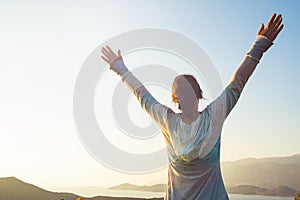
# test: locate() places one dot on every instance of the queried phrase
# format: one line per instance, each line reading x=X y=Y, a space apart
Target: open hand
x=109 y=56
x=273 y=27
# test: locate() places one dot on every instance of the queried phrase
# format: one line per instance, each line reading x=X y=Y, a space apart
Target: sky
x=44 y=44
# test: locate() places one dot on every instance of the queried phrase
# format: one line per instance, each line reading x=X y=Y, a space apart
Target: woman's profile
x=192 y=137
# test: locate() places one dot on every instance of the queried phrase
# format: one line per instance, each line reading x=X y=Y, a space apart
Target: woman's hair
x=192 y=81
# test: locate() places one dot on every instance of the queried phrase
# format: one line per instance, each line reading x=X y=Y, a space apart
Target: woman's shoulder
x=171 y=114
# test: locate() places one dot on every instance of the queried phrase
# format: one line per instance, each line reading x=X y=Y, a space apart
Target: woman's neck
x=190 y=114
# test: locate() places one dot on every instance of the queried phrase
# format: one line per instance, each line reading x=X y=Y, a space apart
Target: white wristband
x=261 y=45
x=119 y=67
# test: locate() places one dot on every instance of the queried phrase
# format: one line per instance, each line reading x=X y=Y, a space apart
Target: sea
x=96 y=191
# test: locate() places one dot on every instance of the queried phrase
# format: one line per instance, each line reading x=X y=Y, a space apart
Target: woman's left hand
x=273 y=27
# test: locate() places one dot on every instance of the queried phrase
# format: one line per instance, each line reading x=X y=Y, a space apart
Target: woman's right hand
x=273 y=27
x=114 y=60
x=109 y=56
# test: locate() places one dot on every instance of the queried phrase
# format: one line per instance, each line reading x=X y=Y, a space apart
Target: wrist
x=119 y=67
x=261 y=45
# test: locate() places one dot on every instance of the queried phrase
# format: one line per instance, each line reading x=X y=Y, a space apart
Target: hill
x=245 y=189
x=12 y=188
x=263 y=172
x=281 y=191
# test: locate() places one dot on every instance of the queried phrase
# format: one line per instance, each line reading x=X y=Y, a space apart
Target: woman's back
x=189 y=176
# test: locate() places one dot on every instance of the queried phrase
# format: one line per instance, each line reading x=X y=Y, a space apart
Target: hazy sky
x=44 y=44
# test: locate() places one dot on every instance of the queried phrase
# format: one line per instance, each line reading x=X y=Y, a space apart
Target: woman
x=193 y=137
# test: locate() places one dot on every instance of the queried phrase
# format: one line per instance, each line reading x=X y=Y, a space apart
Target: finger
x=278 y=23
x=271 y=20
x=111 y=51
x=105 y=51
x=278 y=18
x=279 y=29
x=108 y=54
x=104 y=58
x=262 y=26
x=119 y=52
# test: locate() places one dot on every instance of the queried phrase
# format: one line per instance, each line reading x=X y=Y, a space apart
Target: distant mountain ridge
x=281 y=191
x=263 y=172
x=12 y=188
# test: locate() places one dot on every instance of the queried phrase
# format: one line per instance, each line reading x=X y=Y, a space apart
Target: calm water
x=95 y=191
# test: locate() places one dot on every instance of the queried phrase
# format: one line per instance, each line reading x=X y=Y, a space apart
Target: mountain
x=281 y=191
x=12 y=188
x=245 y=189
x=152 y=188
x=263 y=172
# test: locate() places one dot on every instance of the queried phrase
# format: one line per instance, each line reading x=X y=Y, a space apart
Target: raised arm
x=223 y=105
x=157 y=111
